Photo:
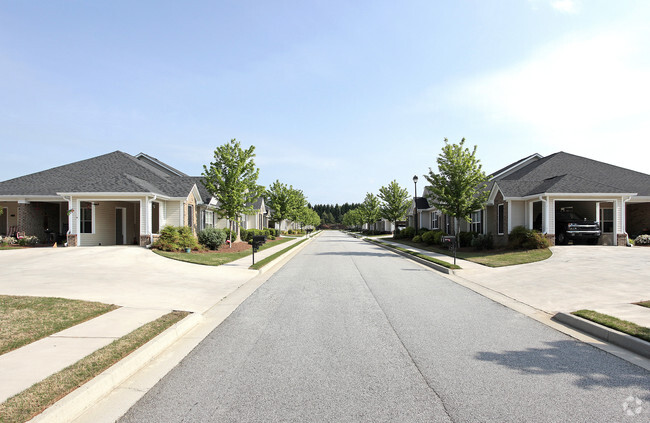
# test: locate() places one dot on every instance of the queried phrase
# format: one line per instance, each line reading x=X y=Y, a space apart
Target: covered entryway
x=103 y=222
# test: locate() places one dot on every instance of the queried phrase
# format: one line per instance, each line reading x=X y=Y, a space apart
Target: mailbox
x=258 y=240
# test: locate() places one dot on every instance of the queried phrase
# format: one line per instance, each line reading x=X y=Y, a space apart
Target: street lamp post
x=415 y=202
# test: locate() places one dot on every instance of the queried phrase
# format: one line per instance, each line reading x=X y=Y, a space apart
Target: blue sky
x=338 y=97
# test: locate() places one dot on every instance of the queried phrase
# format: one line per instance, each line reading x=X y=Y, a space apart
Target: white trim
x=499 y=205
x=590 y=196
x=518 y=165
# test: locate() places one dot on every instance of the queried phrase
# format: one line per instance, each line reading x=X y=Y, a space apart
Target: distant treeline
x=333 y=213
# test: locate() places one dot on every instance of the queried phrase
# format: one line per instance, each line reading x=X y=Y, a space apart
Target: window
x=435 y=223
x=500 y=219
x=209 y=219
x=607 y=220
x=476 y=224
x=86 y=218
x=155 y=217
x=190 y=215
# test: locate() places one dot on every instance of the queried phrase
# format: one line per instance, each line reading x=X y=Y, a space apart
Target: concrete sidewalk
x=34 y=362
x=573 y=278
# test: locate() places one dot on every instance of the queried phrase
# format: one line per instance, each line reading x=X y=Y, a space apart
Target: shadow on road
x=562 y=357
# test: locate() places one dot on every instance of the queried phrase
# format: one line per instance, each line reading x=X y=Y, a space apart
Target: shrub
x=8 y=240
x=417 y=238
x=528 y=239
x=465 y=238
x=186 y=238
x=642 y=240
x=429 y=237
x=408 y=232
x=483 y=242
x=423 y=231
x=28 y=240
x=168 y=240
x=212 y=238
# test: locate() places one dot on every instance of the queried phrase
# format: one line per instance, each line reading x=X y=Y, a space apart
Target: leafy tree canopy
x=458 y=189
x=396 y=202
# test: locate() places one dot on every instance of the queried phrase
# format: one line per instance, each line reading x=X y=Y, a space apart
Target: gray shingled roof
x=113 y=172
x=567 y=173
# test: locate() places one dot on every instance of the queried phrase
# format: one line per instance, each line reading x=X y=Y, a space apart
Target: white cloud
x=586 y=95
x=565 y=6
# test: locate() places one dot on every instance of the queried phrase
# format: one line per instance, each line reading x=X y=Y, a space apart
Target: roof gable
x=115 y=172
x=567 y=173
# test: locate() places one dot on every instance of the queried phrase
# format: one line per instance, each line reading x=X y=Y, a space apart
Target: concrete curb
x=623 y=340
x=288 y=255
x=76 y=402
x=422 y=261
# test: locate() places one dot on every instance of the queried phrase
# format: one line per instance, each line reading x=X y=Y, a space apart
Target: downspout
x=150 y=211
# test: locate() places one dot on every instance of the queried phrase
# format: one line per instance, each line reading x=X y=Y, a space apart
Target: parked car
x=571 y=226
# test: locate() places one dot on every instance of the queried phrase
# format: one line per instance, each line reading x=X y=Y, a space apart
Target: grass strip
x=264 y=262
x=217 y=259
x=616 y=324
x=420 y=255
x=643 y=304
x=24 y=320
x=32 y=401
x=490 y=258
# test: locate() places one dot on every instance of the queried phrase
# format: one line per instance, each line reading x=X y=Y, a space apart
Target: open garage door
x=578 y=222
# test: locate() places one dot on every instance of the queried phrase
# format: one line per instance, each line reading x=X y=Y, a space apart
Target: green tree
x=370 y=209
x=285 y=201
x=353 y=218
x=232 y=179
x=459 y=187
x=396 y=202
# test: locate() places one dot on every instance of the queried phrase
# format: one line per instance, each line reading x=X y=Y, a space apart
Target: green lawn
x=258 y=265
x=27 y=319
x=9 y=247
x=614 y=323
x=33 y=400
x=490 y=258
x=212 y=258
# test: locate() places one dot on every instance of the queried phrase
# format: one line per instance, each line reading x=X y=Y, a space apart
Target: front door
x=119 y=226
x=3 y=221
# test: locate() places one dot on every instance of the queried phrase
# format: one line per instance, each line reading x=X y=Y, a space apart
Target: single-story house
x=112 y=199
x=430 y=217
x=530 y=191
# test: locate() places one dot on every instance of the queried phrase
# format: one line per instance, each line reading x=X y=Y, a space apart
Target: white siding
x=173 y=217
x=518 y=216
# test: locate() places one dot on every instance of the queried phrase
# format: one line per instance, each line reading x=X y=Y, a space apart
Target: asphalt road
x=347 y=331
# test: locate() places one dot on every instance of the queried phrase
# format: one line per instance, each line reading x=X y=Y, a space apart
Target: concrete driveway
x=601 y=278
x=126 y=276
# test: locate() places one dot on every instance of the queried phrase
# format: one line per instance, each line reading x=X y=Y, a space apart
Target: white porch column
x=509 y=203
x=616 y=223
x=547 y=217
x=597 y=219
x=530 y=205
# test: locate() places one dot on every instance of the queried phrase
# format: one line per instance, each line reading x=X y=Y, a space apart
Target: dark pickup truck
x=570 y=226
